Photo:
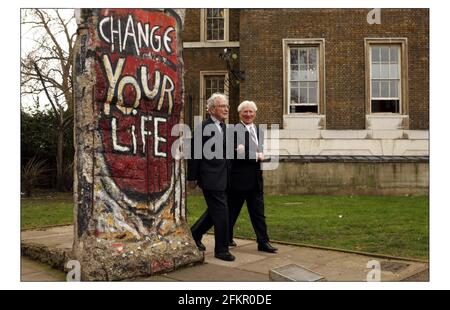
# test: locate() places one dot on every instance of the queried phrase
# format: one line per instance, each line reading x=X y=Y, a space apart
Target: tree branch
x=45 y=88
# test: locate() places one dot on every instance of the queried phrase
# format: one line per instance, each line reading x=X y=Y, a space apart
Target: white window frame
x=203 y=74
x=403 y=73
x=399 y=68
x=293 y=43
x=203 y=26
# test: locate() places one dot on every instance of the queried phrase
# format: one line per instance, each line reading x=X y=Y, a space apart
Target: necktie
x=222 y=126
x=253 y=135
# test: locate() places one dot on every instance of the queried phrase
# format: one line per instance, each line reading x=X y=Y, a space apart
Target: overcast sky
x=28 y=38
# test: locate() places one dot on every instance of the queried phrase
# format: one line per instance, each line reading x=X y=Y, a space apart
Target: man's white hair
x=247 y=104
x=213 y=99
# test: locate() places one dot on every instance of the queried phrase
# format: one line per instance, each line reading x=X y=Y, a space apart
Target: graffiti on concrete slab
x=138 y=188
x=138 y=97
x=129 y=185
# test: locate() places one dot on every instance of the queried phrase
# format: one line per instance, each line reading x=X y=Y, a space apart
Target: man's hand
x=240 y=148
x=192 y=184
x=260 y=156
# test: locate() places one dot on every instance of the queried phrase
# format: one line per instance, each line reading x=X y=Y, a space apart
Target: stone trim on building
x=347 y=142
x=210 y=44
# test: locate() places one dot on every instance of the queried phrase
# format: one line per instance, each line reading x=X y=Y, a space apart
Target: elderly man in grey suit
x=210 y=171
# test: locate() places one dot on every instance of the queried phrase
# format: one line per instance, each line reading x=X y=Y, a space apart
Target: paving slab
x=250 y=264
x=32 y=271
x=353 y=267
x=60 y=237
x=311 y=256
x=253 y=248
x=161 y=278
x=264 y=266
x=211 y=272
x=208 y=241
x=241 y=259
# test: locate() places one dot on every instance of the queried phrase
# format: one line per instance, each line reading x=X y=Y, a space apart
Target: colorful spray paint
x=129 y=188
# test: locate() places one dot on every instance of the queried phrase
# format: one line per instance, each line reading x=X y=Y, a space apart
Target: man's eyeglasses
x=222 y=106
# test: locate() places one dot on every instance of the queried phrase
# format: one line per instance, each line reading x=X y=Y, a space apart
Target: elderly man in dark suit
x=246 y=179
x=209 y=169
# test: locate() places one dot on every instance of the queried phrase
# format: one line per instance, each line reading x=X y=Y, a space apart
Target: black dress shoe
x=266 y=247
x=225 y=256
x=232 y=243
x=200 y=245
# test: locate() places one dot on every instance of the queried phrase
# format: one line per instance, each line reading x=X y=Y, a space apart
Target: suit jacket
x=210 y=174
x=246 y=172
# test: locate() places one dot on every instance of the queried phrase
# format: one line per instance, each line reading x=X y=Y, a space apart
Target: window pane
x=294 y=95
x=303 y=84
x=303 y=56
x=384 y=71
x=294 y=56
x=375 y=89
x=394 y=54
x=313 y=56
x=394 y=89
x=393 y=71
x=385 y=106
x=295 y=75
x=303 y=72
x=312 y=94
x=312 y=73
x=375 y=54
x=303 y=109
x=384 y=88
x=303 y=95
x=384 y=53
x=216 y=24
x=375 y=72
x=211 y=34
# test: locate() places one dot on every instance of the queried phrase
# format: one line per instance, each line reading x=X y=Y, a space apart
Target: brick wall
x=260 y=33
x=344 y=30
x=205 y=59
x=210 y=61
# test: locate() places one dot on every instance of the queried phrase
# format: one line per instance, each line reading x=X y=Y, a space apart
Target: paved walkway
x=250 y=264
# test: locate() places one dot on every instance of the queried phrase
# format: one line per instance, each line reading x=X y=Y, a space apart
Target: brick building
x=333 y=82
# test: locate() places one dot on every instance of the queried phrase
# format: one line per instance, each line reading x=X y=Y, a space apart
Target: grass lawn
x=394 y=225
x=46 y=209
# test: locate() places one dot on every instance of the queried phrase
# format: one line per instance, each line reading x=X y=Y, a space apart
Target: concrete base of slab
x=53 y=245
x=107 y=262
x=110 y=260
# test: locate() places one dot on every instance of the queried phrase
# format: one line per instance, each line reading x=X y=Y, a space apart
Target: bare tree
x=46 y=68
